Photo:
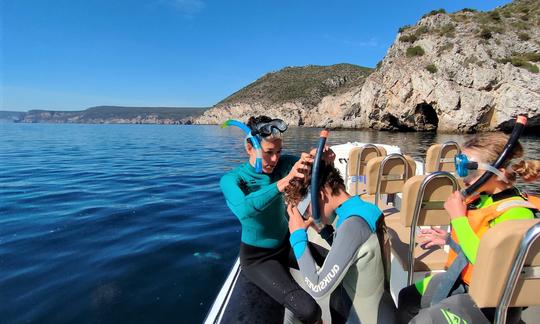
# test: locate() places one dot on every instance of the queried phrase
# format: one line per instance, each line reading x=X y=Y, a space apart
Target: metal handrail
x=358 y=162
x=443 y=146
x=416 y=214
x=381 y=169
x=527 y=242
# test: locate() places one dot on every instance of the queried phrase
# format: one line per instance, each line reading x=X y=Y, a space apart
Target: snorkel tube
x=254 y=140
x=327 y=231
x=521 y=121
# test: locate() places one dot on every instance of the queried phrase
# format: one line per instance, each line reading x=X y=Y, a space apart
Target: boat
x=410 y=193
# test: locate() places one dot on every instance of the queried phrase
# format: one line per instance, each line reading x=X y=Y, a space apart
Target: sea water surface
x=126 y=223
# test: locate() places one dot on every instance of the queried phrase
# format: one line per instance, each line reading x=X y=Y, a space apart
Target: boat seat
x=357 y=161
x=422 y=205
x=386 y=175
x=499 y=267
x=440 y=157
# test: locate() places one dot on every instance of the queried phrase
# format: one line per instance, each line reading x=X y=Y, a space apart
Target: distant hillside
x=300 y=91
x=307 y=84
x=11 y=115
x=466 y=71
x=113 y=115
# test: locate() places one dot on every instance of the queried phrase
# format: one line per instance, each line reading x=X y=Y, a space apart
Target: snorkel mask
x=303 y=204
x=464 y=167
x=273 y=127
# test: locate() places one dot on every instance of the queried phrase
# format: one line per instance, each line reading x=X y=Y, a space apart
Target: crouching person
x=355 y=258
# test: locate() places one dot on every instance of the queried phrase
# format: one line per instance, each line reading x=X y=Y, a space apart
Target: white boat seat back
x=496 y=256
x=431 y=201
x=356 y=165
x=392 y=176
x=427 y=205
x=440 y=157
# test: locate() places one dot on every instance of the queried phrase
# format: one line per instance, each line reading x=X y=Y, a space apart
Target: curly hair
x=489 y=146
x=329 y=176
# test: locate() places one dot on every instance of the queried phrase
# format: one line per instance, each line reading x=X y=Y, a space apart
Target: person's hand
x=328 y=155
x=299 y=170
x=295 y=219
x=431 y=237
x=455 y=205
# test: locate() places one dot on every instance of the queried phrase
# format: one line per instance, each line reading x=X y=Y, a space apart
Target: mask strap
x=497 y=172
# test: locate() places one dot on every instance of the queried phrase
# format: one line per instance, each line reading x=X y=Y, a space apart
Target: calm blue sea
x=126 y=223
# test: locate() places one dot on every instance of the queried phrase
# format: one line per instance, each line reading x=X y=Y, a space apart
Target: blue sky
x=74 y=54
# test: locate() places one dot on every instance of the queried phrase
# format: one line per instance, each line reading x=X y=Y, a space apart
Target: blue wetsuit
x=255 y=199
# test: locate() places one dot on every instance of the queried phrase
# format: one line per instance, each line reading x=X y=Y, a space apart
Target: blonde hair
x=490 y=145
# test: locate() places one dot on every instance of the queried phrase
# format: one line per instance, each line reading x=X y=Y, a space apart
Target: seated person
x=355 y=256
x=469 y=223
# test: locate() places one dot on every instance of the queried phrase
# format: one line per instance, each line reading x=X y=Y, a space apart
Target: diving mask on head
x=273 y=127
x=464 y=166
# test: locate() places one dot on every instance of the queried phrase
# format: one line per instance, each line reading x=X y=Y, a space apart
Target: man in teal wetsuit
x=257 y=200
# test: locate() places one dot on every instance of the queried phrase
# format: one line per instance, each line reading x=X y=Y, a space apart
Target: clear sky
x=74 y=54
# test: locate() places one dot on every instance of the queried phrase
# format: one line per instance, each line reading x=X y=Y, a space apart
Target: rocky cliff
x=460 y=72
x=304 y=96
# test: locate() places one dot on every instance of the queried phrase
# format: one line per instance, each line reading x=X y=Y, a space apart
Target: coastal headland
x=459 y=72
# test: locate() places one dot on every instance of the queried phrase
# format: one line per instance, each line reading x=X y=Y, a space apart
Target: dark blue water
x=126 y=223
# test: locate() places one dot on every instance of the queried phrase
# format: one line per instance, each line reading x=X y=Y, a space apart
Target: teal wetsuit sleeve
x=246 y=206
x=468 y=240
x=349 y=237
x=299 y=242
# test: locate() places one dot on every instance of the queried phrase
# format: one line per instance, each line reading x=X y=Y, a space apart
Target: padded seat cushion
x=430 y=259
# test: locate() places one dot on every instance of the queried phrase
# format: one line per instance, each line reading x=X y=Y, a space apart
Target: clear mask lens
x=275 y=126
x=303 y=205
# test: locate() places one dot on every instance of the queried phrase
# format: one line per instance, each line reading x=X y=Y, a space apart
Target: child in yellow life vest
x=498 y=202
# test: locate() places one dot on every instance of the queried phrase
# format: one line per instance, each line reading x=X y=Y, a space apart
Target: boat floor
x=247 y=303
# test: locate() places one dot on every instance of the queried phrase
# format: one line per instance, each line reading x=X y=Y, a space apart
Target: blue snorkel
x=328 y=230
x=254 y=140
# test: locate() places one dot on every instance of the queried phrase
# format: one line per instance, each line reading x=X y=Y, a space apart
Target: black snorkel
x=521 y=121
x=328 y=230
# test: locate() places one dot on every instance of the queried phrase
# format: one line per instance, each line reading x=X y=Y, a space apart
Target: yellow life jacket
x=479 y=220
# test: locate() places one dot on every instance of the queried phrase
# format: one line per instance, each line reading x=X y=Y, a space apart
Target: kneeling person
x=355 y=256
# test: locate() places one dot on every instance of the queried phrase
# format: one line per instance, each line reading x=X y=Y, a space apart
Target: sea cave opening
x=426 y=117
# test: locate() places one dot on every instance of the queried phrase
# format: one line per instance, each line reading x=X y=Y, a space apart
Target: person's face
x=271 y=152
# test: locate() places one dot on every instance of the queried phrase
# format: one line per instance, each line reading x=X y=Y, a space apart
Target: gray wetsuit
x=354 y=260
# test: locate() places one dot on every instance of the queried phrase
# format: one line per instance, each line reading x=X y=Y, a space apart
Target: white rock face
x=468 y=88
x=471 y=90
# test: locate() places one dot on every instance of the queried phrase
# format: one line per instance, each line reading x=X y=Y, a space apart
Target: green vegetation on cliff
x=307 y=85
